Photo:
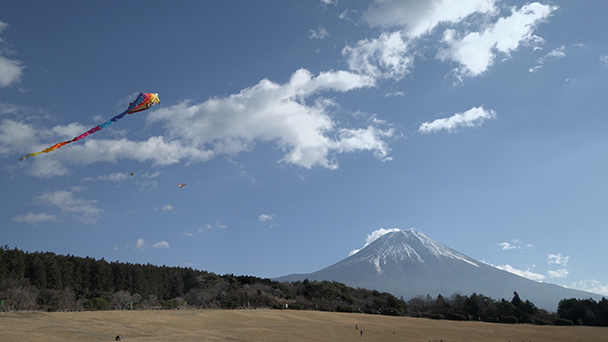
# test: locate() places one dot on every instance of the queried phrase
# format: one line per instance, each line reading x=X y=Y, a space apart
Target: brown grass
x=269 y=325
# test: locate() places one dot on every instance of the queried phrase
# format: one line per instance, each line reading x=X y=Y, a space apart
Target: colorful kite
x=142 y=102
x=181 y=185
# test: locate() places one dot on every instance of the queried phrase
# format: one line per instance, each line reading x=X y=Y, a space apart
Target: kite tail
x=87 y=133
x=141 y=103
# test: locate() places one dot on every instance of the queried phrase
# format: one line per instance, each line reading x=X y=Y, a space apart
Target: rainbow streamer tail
x=141 y=103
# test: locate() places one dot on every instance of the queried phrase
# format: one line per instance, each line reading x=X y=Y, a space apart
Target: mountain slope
x=409 y=264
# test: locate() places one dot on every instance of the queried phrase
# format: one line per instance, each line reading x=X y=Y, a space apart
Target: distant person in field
x=118 y=338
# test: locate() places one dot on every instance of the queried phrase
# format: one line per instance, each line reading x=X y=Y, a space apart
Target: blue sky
x=304 y=129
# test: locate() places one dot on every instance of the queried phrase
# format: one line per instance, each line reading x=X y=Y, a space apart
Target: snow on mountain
x=399 y=248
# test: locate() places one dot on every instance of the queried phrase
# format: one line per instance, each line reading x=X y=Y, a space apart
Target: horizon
x=300 y=127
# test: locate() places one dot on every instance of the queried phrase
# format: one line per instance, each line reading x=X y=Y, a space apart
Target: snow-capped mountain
x=409 y=264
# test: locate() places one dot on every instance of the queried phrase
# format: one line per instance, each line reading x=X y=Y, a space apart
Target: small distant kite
x=132 y=174
x=181 y=185
x=141 y=103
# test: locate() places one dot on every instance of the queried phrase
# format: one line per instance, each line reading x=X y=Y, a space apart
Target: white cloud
x=419 y=17
x=83 y=210
x=15 y=136
x=161 y=244
x=319 y=33
x=507 y=246
x=526 y=274
x=561 y=273
x=112 y=177
x=555 y=54
x=141 y=245
x=329 y=2
x=384 y=57
x=11 y=70
x=476 y=51
x=270 y=112
x=591 y=285
x=376 y=234
x=206 y=227
x=167 y=207
x=471 y=118
x=394 y=94
x=557 y=259
x=266 y=217
x=32 y=218
x=604 y=59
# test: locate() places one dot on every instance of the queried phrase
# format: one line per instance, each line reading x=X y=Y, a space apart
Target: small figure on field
x=118 y=338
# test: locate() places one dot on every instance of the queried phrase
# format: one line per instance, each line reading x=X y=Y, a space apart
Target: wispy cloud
x=143 y=245
x=471 y=118
x=329 y=2
x=561 y=273
x=113 y=177
x=268 y=218
x=319 y=33
x=522 y=273
x=204 y=229
x=557 y=259
x=161 y=244
x=591 y=285
x=32 y=218
x=506 y=246
x=81 y=209
x=373 y=236
x=555 y=54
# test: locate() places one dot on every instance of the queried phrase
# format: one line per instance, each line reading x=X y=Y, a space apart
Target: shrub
x=437 y=316
x=296 y=306
x=96 y=304
x=229 y=304
x=563 y=322
x=453 y=316
x=509 y=319
x=391 y=312
x=344 y=308
x=169 y=304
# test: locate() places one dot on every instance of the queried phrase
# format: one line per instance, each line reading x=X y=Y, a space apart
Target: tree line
x=51 y=282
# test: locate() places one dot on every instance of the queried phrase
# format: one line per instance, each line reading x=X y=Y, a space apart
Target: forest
x=50 y=282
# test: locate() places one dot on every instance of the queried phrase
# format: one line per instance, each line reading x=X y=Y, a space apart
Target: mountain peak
x=398 y=246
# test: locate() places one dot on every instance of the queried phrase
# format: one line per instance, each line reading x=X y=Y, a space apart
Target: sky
x=305 y=129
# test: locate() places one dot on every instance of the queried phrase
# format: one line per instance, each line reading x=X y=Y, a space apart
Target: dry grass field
x=269 y=325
